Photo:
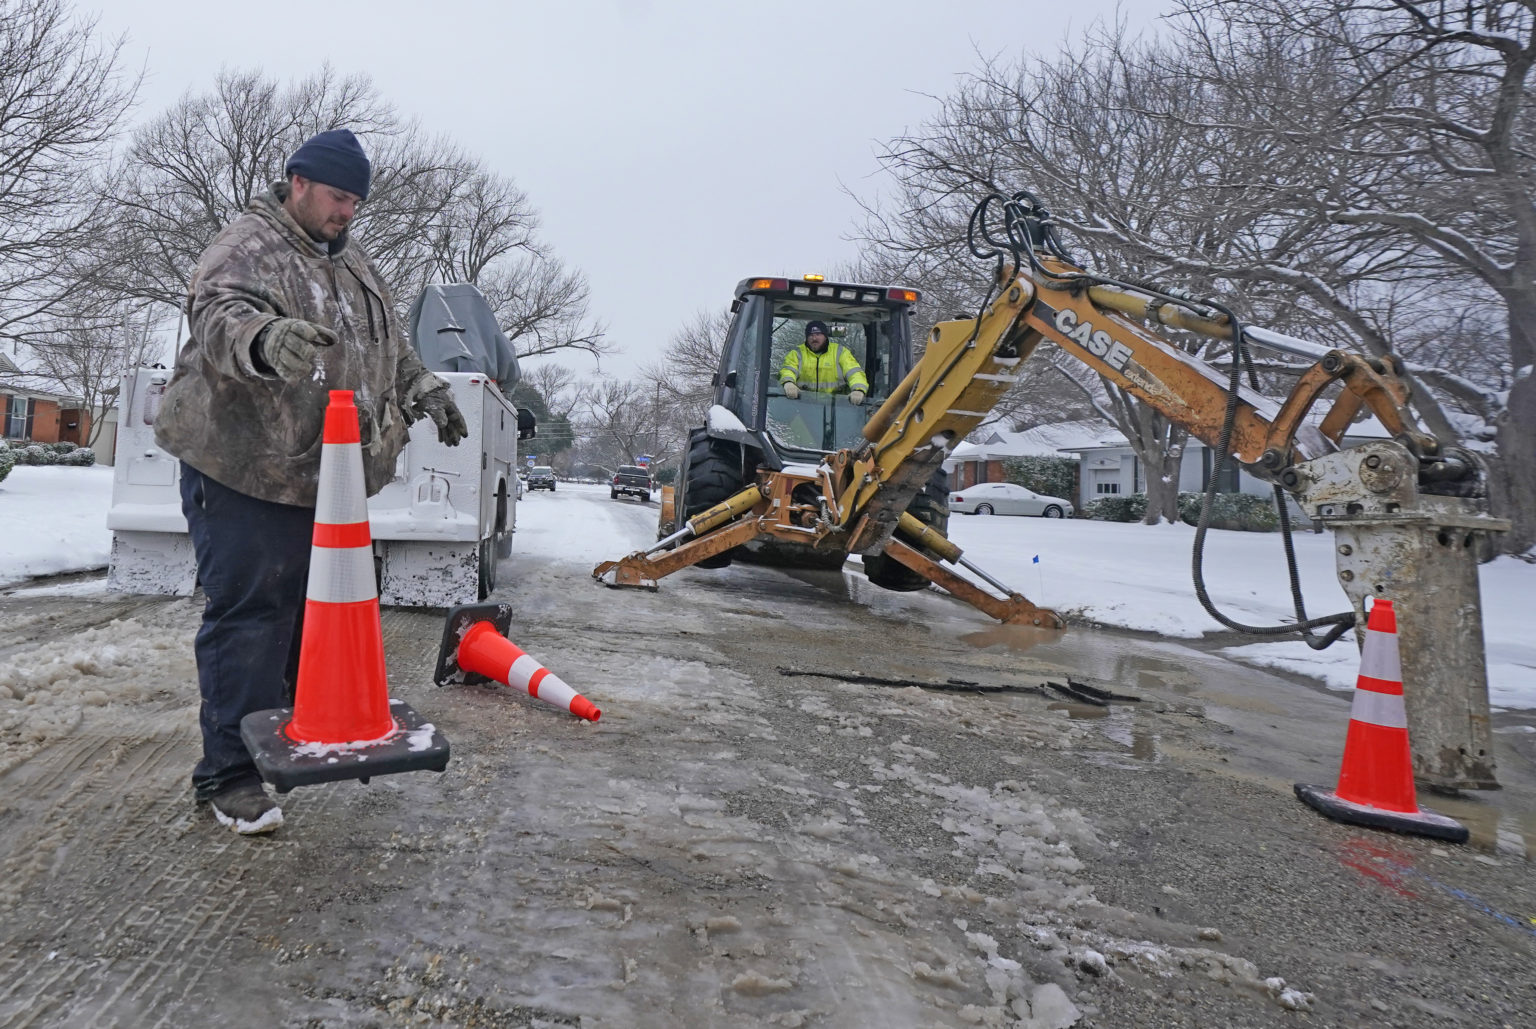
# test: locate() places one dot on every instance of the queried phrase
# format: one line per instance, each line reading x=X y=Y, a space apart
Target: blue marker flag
x=1037 y=559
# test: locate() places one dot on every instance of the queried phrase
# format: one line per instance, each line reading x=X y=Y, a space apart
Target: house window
x=18 y=421
x=1226 y=476
x=1103 y=487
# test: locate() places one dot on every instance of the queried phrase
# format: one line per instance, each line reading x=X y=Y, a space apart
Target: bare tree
x=1426 y=139
x=681 y=385
x=1275 y=158
x=1048 y=127
x=433 y=212
x=62 y=97
x=543 y=307
x=191 y=170
x=616 y=422
x=556 y=386
x=89 y=342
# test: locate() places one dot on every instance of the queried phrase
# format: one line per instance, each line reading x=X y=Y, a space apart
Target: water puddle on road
x=1275 y=716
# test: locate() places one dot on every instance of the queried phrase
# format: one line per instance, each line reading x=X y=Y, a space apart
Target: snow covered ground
x=53 y=520
x=1124 y=576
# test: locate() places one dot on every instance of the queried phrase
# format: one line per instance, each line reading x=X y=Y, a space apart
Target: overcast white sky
x=672 y=148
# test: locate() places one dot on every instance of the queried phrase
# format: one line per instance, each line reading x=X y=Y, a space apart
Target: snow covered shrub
x=61 y=448
x=36 y=453
x=1243 y=512
x=80 y=457
x=7 y=461
x=1131 y=507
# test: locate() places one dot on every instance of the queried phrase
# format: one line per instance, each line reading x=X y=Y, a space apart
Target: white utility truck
x=439 y=526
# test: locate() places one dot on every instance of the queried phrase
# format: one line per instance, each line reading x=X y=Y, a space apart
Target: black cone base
x=414 y=745
x=1424 y=823
x=459 y=620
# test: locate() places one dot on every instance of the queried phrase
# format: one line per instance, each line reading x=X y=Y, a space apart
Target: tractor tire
x=713 y=474
x=931 y=507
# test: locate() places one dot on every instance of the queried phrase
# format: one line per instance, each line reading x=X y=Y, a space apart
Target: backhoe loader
x=1408 y=515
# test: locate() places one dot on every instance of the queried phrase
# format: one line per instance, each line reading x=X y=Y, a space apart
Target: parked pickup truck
x=633 y=480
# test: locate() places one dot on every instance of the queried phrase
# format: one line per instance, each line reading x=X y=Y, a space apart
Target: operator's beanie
x=814 y=326
x=333 y=157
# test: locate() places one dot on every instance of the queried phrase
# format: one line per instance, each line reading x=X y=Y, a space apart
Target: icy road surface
x=730 y=845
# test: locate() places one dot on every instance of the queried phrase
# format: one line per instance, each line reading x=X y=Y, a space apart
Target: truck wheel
x=613 y=494
x=487 y=556
x=931 y=507
x=712 y=475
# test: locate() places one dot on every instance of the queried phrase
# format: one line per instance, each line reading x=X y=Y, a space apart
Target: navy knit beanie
x=815 y=326
x=334 y=157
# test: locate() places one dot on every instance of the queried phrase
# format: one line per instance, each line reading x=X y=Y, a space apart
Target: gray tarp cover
x=454 y=330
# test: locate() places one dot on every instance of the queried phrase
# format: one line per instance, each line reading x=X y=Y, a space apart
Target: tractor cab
x=755 y=426
x=869 y=343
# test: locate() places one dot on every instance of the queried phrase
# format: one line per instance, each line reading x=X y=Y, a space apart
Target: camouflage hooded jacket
x=249 y=429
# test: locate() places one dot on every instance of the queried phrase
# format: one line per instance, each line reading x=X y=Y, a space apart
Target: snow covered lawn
x=53 y=520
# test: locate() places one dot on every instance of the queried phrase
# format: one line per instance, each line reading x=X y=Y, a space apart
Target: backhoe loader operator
x=822 y=367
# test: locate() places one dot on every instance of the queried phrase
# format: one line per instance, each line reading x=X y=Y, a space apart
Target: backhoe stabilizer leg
x=643 y=568
x=1015 y=609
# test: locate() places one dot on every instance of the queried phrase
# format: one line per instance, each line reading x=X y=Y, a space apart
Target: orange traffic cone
x=475 y=649
x=343 y=724
x=1376 y=775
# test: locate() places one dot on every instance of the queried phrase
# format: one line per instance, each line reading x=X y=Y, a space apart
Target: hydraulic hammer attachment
x=1421 y=552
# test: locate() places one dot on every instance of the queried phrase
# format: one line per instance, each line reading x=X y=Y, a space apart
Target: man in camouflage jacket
x=282 y=309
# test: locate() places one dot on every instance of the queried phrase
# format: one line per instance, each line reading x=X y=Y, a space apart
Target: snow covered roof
x=1041 y=441
x=17 y=381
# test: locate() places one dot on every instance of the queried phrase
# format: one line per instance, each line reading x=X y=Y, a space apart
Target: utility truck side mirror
x=526 y=425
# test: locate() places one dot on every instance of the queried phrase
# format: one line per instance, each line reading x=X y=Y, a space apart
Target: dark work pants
x=253 y=564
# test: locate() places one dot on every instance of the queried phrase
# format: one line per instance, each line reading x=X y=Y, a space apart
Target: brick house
x=981 y=459
x=33 y=409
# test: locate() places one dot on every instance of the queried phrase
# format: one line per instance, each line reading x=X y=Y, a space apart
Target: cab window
x=822 y=420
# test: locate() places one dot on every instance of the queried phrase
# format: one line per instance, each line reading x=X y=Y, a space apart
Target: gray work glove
x=436 y=402
x=856 y=397
x=289 y=345
x=791 y=390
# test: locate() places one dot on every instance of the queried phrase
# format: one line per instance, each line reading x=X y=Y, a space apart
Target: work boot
x=246 y=809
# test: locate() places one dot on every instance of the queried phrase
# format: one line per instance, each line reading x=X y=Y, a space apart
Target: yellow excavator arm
x=1407 y=514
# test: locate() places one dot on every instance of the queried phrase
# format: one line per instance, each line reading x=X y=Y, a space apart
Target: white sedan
x=1006 y=498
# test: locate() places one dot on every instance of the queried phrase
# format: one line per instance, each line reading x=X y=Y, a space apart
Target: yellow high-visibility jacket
x=834 y=370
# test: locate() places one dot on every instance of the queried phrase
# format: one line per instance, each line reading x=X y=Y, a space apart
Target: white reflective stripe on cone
x=1383 y=709
x=522 y=671
x=343 y=497
x=551 y=688
x=341 y=575
x=1379 y=658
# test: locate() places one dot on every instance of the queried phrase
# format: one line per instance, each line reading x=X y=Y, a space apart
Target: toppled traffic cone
x=343 y=724
x=1376 y=776
x=475 y=649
